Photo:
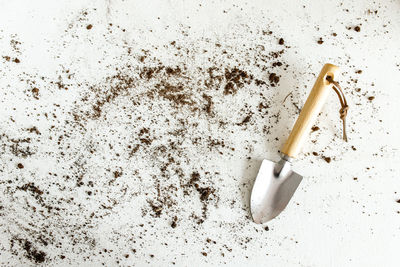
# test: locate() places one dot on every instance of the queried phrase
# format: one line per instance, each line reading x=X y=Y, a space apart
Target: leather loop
x=343 y=102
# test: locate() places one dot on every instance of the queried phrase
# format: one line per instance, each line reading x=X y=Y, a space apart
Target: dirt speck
x=35 y=93
x=327 y=159
x=245 y=120
x=174 y=222
x=314 y=128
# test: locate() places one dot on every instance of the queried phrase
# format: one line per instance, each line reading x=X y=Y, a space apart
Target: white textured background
x=333 y=219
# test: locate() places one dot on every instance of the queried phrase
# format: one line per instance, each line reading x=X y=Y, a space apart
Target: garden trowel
x=276 y=182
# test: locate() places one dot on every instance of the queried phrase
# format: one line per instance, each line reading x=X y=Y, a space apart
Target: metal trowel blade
x=272 y=190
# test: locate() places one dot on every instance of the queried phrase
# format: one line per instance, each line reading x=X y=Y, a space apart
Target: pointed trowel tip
x=255 y=213
x=261 y=214
x=260 y=217
x=255 y=218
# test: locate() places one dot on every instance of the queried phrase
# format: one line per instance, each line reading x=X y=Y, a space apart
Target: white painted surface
x=333 y=220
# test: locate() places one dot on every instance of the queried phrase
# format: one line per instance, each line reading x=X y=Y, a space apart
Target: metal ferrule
x=286 y=157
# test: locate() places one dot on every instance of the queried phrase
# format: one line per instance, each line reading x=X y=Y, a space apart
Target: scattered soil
x=314 y=128
x=327 y=159
x=147 y=131
x=273 y=79
x=31 y=252
x=245 y=120
x=236 y=79
x=174 y=222
x=35 y=93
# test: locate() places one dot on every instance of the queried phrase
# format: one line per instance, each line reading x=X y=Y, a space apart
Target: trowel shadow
x=279 y=131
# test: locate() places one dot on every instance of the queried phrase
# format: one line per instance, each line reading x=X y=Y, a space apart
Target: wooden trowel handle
x=310 y=111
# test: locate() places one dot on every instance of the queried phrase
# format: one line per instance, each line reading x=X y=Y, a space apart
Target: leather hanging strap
x=344 y=107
